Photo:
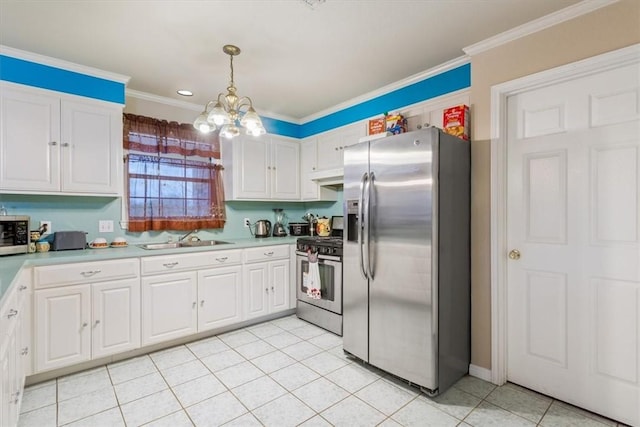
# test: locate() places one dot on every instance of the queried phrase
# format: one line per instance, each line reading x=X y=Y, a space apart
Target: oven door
x=330 y=279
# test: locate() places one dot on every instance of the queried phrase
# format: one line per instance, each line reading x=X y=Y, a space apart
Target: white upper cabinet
x=310 y=189
x=331 y=145
x=53 y=143
x=261 y=168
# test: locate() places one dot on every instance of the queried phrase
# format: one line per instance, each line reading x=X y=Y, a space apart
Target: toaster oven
x=14 y=234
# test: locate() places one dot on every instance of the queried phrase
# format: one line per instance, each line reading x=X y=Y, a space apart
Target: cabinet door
x=116 y=317
x=219 y=297
x=285 y=169
x=279 y=285
x=329 y=152
x=29 y=140
x=63 y=335
x=8 y=406
x=256 y=291
x=90 y=147
x=308 y=156
x=168 y=307
x=253 y=169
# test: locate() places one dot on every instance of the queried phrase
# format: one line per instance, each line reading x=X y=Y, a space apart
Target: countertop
x=10 y=265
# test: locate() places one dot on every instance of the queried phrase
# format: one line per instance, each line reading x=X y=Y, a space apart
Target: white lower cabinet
x=220 y=297
x=266 y=280
x=63 y=335
x=169 y=308
x=14 y=351
x=77 y=323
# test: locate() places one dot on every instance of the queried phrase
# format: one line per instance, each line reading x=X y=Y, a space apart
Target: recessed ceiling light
x=185 y=92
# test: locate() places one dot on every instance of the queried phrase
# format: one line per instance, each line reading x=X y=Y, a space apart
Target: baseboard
x=479 y=372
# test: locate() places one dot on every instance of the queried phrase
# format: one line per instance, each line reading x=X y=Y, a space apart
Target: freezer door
x=355 y=292
x=402 y=313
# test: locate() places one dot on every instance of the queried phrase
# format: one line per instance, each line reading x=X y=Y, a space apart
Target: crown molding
x=423 y=75
x=536 y=25
x=65 y=65
x=195 y=107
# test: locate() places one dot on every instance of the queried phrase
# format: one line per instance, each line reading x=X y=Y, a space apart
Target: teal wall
x=83 y=213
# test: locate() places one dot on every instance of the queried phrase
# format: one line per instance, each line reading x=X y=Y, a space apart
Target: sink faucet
x=187 y=235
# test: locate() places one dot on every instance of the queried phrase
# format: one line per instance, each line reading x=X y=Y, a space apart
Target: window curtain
x=166 y=192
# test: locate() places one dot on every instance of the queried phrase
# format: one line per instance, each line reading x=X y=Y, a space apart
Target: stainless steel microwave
x=14 y=234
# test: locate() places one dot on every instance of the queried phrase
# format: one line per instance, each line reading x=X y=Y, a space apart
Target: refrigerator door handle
x=370 y=189
x=363 y=181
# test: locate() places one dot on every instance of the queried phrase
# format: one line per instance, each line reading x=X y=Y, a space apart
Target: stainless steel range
x=325 y=312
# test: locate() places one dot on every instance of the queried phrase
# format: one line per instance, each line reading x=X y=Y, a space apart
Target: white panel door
x=91 y=136
x=255 y=279
x=116 y=317
x=29 y=140
x=574 y=216
x=279 y=285
x=285 y=169
x=169 y=307
x=63 y=335
x=219 y=297
x=252 y=177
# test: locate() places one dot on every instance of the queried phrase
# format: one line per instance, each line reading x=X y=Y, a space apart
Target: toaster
x=68 y=240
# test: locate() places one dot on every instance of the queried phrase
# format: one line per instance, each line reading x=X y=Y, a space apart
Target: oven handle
x=363 y=181
x=320 y=257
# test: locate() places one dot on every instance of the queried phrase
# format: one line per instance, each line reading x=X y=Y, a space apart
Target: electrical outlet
x=247 y=223
x=49 y=227
x=105 y=226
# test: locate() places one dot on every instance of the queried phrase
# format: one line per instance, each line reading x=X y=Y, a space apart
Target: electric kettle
x=263 y=228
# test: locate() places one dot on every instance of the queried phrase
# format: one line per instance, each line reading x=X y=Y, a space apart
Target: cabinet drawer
x=85 y=272
x=266 y=253
x=164 y=263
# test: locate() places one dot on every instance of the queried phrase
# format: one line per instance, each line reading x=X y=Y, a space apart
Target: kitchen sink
x=189 y=244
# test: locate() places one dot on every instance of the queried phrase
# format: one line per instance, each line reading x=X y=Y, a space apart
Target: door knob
x=514 y=254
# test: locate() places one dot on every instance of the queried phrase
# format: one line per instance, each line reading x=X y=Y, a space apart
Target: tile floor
x=285 y=372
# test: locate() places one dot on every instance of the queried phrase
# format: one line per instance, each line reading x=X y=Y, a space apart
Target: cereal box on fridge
x=455 y=121
x=376 y=126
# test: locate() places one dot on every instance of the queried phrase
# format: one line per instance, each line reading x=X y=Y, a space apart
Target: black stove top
x=331 y=245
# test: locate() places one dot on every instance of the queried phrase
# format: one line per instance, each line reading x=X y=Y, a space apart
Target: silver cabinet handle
x=97 y=323
x=90 y=273
x=222 y=259
x=85 y=324
x=53 y=143
x=170 y=264
x=201 y=303
x=266 y=290
x=194 y=305
x=272 y=289
x=268 y=167
x=24 y=351
x=269 y=253
x=22 y=288
x=65 y=144
x=12 y=313
x=274 y=168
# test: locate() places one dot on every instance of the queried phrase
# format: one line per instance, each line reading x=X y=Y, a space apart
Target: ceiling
x=296 y=60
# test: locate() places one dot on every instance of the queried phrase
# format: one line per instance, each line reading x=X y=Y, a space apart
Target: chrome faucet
x=311 y=218
x=187 y=235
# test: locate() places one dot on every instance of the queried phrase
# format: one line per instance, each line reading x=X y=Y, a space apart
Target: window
x=173 y=181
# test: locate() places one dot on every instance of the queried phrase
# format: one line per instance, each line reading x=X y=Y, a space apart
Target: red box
x=455 y=121
x=376 y=126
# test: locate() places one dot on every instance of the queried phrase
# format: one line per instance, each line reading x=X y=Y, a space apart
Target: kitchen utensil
x=262 y=228
x=278 y=227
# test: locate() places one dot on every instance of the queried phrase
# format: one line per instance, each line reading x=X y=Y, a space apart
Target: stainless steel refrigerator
x=406 y=263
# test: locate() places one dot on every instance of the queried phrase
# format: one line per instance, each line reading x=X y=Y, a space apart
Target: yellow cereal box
x=456 y=121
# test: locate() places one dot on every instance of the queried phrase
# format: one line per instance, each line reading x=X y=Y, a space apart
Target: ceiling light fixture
x=226 y=111
x=184 y=92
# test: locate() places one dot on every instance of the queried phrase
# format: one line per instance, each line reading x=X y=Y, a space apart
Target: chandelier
x=226 y=113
